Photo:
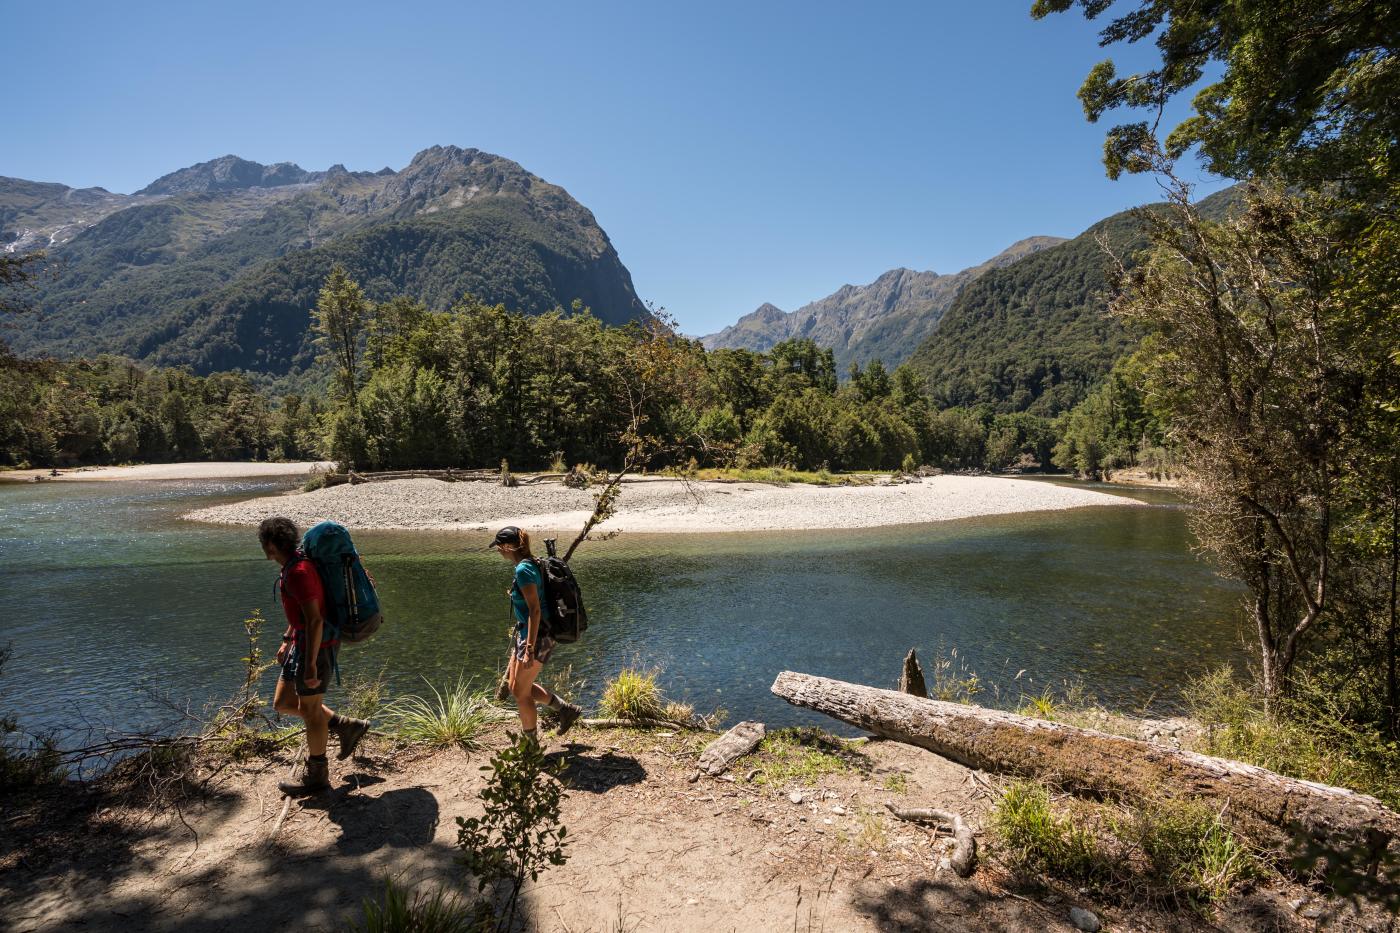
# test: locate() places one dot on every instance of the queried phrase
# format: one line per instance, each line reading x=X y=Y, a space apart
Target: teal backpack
x=352 y=606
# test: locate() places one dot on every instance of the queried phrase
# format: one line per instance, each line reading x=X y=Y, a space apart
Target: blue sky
x=735 y=153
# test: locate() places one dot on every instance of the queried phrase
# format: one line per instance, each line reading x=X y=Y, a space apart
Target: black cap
x=507 y=535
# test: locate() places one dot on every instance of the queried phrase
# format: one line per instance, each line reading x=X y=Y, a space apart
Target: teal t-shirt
x=526 y=573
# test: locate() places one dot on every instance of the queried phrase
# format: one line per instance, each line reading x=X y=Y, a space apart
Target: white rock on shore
x=657 y=505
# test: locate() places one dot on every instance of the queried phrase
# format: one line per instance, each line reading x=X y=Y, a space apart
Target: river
x=118 y=611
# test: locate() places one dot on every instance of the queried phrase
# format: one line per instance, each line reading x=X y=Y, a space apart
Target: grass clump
x=1172 y=852
x=457 y=716
x=1033 y=837
x=802 y=756
x=1191 y=855
x=1311 y=734
x=897 y=783
x=633 y=694
x=399 y=910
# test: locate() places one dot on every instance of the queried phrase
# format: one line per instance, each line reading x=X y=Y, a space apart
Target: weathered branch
x=964 y=857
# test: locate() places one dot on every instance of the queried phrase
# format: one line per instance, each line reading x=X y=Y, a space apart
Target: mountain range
x=885 y=320
x=216 y=266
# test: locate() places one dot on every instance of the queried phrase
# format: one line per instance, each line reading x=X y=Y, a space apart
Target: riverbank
x=166 y=471
x=661 y=505
x=797 y=841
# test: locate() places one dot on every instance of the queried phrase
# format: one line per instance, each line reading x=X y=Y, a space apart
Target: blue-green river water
x=115 y=607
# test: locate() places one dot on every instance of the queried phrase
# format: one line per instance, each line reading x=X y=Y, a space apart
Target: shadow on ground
x=581 y=767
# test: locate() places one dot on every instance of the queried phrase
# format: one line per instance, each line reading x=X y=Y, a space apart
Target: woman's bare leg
x=523 y=687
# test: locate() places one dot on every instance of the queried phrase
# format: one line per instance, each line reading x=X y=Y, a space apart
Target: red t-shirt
x=300 y=584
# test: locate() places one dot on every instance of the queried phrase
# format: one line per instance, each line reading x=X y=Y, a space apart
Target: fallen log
x=1268 y=808
x=730 y=747
x=964 y=857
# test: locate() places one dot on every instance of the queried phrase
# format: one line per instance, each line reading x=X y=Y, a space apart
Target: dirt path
x=650 y=852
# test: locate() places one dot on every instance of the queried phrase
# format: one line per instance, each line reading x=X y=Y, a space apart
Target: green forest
x=475 y=384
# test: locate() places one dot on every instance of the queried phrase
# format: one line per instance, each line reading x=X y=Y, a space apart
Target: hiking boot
x=315 y=777
x=349 y=732
x=565 y=717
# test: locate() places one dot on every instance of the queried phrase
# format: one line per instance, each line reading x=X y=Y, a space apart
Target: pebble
x=1084 y=920
x=795 y=797
x=838 y=809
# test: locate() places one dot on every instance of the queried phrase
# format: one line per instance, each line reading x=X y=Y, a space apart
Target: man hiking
x=307 y=657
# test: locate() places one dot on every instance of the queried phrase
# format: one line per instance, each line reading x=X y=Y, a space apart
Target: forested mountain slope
x=1036 y=335
x=216 y=266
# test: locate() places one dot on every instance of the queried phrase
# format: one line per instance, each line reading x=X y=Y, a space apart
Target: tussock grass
x=633 y=694
x=1032 y=837
x=455 y=716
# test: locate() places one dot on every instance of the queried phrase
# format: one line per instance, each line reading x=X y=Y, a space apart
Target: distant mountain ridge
x=1035 y=335
x=217 y=265
x=884 y=320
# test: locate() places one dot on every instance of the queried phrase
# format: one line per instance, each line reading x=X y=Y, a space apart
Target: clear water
x=117 y=610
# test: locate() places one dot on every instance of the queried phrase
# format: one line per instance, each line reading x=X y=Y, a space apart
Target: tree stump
x=912 y=680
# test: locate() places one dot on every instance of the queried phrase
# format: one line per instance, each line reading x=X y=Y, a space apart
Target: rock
x=1084 y=920
x=795 y=796
x=838 y=809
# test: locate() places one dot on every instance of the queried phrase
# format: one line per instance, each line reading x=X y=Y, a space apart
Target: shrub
x=456 y=716
x=1310 y=735
x=518 y=833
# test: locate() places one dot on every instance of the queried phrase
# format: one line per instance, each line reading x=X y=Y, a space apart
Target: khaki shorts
x=292 y=670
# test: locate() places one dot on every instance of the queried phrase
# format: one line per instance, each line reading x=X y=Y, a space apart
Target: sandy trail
x=650 y=852
x=660 y=505
x=163 y=471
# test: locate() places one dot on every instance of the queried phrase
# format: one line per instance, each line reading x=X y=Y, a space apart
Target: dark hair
x=279 y=532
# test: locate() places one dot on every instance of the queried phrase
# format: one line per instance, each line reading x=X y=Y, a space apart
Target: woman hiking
x=307 y=657
x=532 y=645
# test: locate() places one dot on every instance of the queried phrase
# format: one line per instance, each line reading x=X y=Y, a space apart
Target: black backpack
x=567 y=619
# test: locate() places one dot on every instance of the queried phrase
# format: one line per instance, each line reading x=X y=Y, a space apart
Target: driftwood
x=964 y=857
x=911 y=681
x=730 y=747
x=1268 y=808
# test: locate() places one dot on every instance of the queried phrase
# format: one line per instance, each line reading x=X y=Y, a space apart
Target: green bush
x=1192 y=856
x=1310 y=734
x=518 y=834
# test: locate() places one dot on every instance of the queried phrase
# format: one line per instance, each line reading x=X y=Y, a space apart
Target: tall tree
x=1309 y=89
x=1257 y=374
x=341 y=317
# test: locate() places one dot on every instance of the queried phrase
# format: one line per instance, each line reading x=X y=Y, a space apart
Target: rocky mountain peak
x=227 y=173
